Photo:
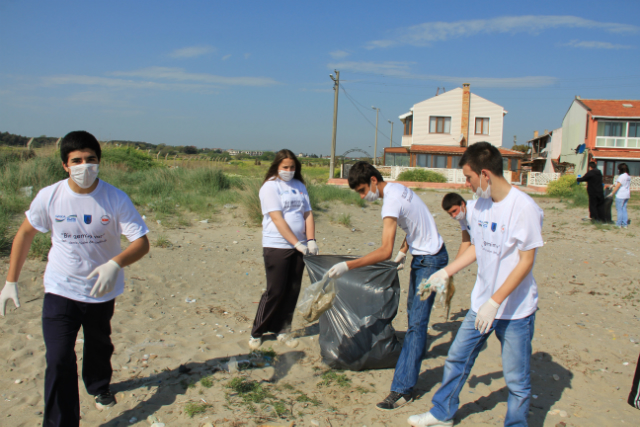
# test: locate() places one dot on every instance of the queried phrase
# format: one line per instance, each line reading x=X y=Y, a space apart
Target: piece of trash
x=317 y=298
x=144 y=218
x=353 y=229
x=204 y=221
x=625 y=363
x=18 y=381
x=26 y=191
x=220 y=336
x=535 y=396
x=556 y=377
x=189 y=300
x=133 y=420
x=158 y=221
x=235 y=243
x=229 y=206
x=563 y=414
x=233 y=365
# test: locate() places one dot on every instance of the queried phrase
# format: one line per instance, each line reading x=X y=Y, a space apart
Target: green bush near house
x=562 y=187
x=421 y=175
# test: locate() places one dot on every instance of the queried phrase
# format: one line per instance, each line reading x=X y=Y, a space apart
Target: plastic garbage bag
x=356 y=332
x=317 y=298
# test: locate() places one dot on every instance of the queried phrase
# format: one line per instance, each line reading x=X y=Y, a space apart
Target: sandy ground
x=584 y=351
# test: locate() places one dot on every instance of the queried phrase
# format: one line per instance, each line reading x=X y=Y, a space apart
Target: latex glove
x=302 y=248
x=486 y=315
x=437 y=282
x=10 y=291
x=107 y=277
x=338 y=270
x=313 y=247
x=610 y=196
x=400 y=259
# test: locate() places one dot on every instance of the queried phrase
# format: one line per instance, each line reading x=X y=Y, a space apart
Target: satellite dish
x=461 y=136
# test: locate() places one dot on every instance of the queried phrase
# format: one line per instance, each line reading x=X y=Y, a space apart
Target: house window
x=455 y=160
x=408 y=125
x=612 y=129
x=423 y=160
x=396 y=159
x=514 y=165
x=439 y=124
x=482 y=126
x=440 y=162
x=431 y=161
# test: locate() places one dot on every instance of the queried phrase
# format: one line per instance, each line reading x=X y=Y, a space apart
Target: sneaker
x=255 y=343
x=426 y=419
x=288 y=340
x=394 y=401
x=105 y=400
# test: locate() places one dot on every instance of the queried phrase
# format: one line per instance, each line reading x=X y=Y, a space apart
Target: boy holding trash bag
x=86 y=217
x=401 y=207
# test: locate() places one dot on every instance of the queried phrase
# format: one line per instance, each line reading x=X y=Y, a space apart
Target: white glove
x=400 y=259
x=609 y=196
x=486 y=315
x=302 y=248
x=313 y=247
x=437 y=282
x=10 y=290
x=107 y=277
x=338 y=270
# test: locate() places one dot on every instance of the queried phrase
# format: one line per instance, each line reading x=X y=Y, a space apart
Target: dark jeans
x=596 y=207
x=414 y=347
x=61 y=321
x=284 y=269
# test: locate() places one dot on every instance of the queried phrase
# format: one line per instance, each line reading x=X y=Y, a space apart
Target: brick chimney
x=535 y=134
x=466 y=98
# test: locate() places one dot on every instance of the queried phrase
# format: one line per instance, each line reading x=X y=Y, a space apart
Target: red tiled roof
x=612 y=108
x=454 y=149
x=600 y=154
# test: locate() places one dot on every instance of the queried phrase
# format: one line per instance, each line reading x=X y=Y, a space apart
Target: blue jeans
x=621 y=208
x=414 y=347
x=515 y=339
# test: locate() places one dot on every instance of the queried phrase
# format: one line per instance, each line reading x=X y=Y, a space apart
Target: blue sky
x=255 y=75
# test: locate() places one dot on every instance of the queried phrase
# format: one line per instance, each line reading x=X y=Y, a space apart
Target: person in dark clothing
x=595 y=190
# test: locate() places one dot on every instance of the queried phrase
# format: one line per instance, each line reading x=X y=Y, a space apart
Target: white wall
x=480 y=107
x=573 y=134
x=448 y=104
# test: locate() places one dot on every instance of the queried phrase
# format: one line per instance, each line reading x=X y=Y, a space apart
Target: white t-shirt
x=413 y=217
x=499 y=231
x=624 y=192
x=292 y=199
x=465 y=224
x=85 y=233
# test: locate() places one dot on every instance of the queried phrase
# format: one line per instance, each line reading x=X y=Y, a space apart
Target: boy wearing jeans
x=86 y=217
x=401 y=207
x=505 y=234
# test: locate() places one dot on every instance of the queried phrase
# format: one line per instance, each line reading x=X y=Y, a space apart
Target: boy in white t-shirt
x=460 y=210
x=401 y=207
x=506 y=231
x=86 y=217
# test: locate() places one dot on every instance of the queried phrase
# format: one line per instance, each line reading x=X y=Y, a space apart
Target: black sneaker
x=105 y=400
x=394 y=401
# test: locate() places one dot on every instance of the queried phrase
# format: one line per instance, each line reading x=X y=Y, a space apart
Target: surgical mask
x=84 y=175
x=483 y=194
x=371 y=196
x=460 y=216
x=286 y=175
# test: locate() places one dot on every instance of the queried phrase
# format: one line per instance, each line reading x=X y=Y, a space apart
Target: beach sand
x=584 y=351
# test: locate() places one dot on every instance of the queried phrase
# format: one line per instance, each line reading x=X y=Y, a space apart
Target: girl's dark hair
x=623 y=168
x=280 y=156
x=78 y=140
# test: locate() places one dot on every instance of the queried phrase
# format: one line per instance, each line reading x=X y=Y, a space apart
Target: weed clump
x=192 y=408
x=421 y=175
x=206 y=382
x=162 y=242
x=329 y=377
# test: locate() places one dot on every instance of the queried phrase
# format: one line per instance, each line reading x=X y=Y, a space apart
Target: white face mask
x=483 y=194
x=84 y=175
x=286 y=175
x=461 y=215
x=372 y=197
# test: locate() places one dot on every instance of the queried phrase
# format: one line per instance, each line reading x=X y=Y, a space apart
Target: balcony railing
x=617 y=142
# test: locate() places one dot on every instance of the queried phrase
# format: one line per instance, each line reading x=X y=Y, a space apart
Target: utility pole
x=375 y=145
x=336 y=89
x=391 y=137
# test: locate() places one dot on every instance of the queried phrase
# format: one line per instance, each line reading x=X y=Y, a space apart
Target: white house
x=438 y=130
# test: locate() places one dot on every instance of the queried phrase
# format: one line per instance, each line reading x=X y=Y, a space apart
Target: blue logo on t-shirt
x=87 y=219
x=72 y=218
x=494 y=226
x=60 y=218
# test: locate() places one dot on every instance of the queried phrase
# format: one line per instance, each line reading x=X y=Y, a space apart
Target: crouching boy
x=86 y=217
x=460 y=210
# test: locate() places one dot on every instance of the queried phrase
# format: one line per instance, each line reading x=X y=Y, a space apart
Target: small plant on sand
x=248 y=390
x=162 y=242
x=206 y=382
x=344 y=219
x=329 y=377
x=262 y=352
x=192 y=408
x=303 y=398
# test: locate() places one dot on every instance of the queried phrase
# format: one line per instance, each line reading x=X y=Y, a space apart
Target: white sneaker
x=426 y=419
x=288 y=340
x=254 y=343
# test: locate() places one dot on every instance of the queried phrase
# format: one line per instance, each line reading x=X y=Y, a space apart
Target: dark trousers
x=284 y=269
x=596 y=207
x=634 y=396
x=61 y=321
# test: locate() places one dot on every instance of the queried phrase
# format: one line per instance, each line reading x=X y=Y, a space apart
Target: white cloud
x=192 y=51
x=402 y=70
x=429 y=32
x=339 y=54
x=595 y=45
x=179 y=74
x=224 y=58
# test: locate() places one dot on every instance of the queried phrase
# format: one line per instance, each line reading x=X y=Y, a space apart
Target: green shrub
x=251 y=201
x=10 y=155
x=191 y=409
x=421 y=175
x=562 y=187
x=130 y=157
x=329 y=193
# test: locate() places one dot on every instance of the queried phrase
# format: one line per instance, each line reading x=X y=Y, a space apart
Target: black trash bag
x=356 y=333
x=608 y=201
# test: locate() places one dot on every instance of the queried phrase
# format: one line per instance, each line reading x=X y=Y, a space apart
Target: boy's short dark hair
x=593 y=165
x=361 y=173
x=451 y=200
x=482 y=155
x=78 y=140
